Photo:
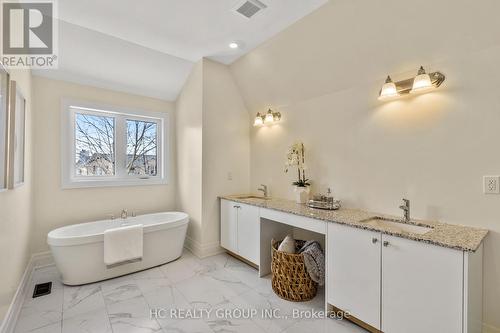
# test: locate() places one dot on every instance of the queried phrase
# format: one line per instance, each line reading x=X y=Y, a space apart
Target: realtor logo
x=27 y=28
x=28 y=34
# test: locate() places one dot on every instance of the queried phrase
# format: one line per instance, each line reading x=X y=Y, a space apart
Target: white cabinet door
x=229 y=225
x=249 y=232
x=354 y=272
x=421 y=287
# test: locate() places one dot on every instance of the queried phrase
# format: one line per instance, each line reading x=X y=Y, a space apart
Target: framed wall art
x=4 y=109
x=17 y=136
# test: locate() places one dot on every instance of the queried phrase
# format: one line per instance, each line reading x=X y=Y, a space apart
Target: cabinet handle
x=374 y=240
x=237 y=207
x=386 y=243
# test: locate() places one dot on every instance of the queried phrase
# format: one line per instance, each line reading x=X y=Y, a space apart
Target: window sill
x=112 y=183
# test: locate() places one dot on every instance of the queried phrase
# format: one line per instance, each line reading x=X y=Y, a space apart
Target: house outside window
x=112 y=146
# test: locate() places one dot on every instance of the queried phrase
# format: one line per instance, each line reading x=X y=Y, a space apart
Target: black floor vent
x=42 y=289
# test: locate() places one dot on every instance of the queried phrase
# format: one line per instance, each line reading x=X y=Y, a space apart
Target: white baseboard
x=490 y=329
x=203 y=250
x=37 y=260
x=42 y=259
x=12 y=314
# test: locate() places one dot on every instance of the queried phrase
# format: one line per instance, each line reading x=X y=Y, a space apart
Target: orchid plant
x=295 y=157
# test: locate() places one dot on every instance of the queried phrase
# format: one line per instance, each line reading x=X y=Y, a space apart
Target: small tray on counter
x=327 y=205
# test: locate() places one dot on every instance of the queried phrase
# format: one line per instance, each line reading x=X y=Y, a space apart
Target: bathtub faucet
x=124 y=214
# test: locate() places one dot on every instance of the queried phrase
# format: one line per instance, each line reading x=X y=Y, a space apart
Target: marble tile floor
x=220 y=289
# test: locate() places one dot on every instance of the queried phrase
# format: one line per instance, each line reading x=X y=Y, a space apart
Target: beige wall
x=226 y=144
x=213 y=145
x=324 y=74
x=16 y=211
x=189 y=124
x=54 y=207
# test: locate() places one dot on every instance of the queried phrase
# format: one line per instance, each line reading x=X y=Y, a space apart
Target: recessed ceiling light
x=233 y=45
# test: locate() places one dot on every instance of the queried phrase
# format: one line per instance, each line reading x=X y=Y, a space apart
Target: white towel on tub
x=123 y=244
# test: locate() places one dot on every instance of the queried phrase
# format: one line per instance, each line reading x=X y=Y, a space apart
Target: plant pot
x=301 y=194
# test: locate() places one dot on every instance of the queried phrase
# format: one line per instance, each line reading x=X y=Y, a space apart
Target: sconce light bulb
x=422 y=81
x=388 y=89
x=258 y=120
x=269 y=117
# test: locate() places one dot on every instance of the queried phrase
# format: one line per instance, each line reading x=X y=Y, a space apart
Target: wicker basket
x=290 y=279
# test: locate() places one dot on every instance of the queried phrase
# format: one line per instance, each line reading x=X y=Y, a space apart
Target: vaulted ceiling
x=149 y=47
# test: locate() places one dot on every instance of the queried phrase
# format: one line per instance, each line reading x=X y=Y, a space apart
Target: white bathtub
x=78 y=250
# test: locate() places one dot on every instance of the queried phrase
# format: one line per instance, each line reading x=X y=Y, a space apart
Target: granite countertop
x=448 y=235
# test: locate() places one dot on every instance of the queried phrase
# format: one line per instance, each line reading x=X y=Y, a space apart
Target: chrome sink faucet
x=124 y=214
x=406 y=209
x=263 y=189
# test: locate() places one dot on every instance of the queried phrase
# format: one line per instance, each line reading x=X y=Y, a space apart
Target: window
x=94 y=145
x=141 y=147
x=109 y=146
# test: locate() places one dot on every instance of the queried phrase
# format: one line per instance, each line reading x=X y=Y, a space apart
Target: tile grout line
x=149 y=305
x=231 y=274
x=62 y=303
x=106 y=309
x=199 y=274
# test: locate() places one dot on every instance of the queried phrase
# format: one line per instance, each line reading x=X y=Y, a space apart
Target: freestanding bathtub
x=78 y=249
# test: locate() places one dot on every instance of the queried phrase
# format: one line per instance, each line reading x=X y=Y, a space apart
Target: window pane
x=95 y=146
x=141 y=147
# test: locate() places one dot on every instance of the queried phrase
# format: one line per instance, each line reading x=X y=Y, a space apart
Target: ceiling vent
x=250 y=7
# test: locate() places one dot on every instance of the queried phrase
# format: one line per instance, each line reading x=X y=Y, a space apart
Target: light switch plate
x=491 y=184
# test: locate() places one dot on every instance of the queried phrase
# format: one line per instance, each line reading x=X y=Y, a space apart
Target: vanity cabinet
x=400 y=285
x=240 y=231
x=421 y=287
x=354 y=259
x=229 y=225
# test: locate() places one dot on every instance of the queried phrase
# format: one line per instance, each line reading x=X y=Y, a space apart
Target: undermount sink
x=252 y=197
x=395 y=225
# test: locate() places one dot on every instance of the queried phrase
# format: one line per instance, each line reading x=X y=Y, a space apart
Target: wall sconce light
x=388 y=89
x=259 y=120
x=421 y=83
x=269 y=118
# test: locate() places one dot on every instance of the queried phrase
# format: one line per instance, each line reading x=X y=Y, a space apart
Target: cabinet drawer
x=294 y=220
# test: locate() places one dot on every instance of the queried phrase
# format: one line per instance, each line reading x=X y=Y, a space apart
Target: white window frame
x=120 y=178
